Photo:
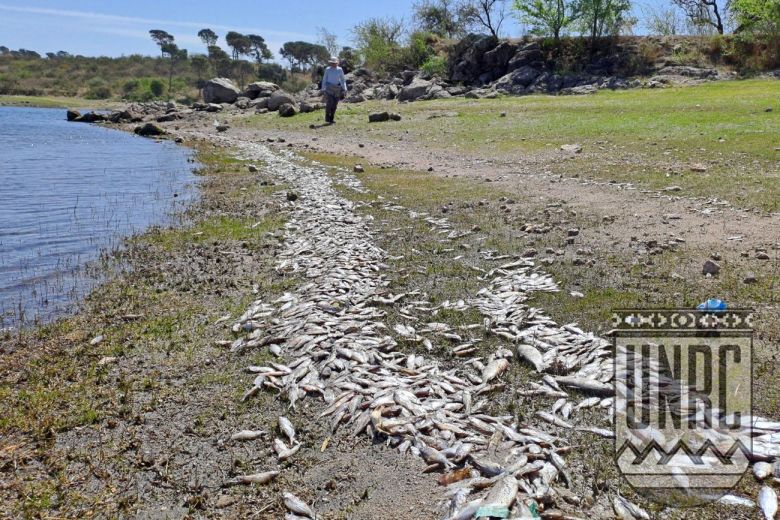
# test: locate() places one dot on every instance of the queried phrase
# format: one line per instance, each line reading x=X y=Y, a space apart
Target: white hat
x=333 y=59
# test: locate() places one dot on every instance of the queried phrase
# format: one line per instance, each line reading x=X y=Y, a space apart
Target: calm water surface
x=67 y=192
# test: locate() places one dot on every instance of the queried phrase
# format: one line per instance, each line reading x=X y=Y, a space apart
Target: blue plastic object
x=713 y=305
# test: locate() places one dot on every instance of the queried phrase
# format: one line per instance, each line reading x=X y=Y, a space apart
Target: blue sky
x=113 y=28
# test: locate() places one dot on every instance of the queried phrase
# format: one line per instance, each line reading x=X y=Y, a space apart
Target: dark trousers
x=331 y=104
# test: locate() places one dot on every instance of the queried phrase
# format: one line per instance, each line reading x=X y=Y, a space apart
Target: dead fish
x=431 y=455
x=247 y=435
x=286 y=427
x=767 y=501
x=550 y=418
x=625 y=510
x=257 y=478
x=454 y=476
x=762 y=470
x=734 y=500
x=601 y=432
x=494 y=369
x=283 y=452
x=486 y=467
x=297 y=506
x=531 y=355
x=503 y=492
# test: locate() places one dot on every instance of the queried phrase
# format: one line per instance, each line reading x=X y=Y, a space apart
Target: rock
x=395 y=117
x=220 y=90
x=715 y=256
x=242 y=102
x=698 y=167
x=688 y=72
x=72 y=115
x=287 y=110
x=378 y=117
x=213 y=107
x=292 y=196
x=149 y=130
x=90 y=117
x=710 y=268
x=260 y=89
x=358 y=168
x=307 y=106
x=252 y=168
x=107 y=361
x=572 y=232
x=750 y=278
x=762 y=255
x=523 y=76
x=415 y=90
x=572 y=148
x=279 y=98
x=502 y=114
x=223 y=127
x=96 y=340
x=768 y=109
x=173 y=116
x=225 y=501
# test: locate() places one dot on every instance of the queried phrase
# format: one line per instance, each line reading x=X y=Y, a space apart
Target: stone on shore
x=378 y=117
x=149 y=130
x=72 y=115
x=220 y=90
x=279 y=98
x=287 y=110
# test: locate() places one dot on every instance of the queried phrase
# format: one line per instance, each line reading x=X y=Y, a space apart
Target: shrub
x=435 y=66
x=156 y=87
x=98 y=89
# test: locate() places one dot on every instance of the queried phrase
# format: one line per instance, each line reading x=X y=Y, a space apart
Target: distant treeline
x=742 y=33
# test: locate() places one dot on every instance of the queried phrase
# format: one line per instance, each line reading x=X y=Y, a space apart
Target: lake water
x=69 y=191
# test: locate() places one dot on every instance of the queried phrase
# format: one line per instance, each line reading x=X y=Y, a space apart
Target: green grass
x=650 y=136
x=55 y=102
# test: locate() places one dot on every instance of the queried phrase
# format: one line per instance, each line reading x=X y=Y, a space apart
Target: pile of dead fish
x=335 y=346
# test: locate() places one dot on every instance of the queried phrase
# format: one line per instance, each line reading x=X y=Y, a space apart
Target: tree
x=548 y=17
x=239 y=43
x=200 y=66
x=4 y=50
x=599 y=18
x=176 y=55
x=258 y=48
x=208 y=37
x=348 y=59
x=486 y=14
x=161 y=38
x=220 y=61
x=757 y=15
x=302 y=54
x=704 y=12
x=242 y=70
x=378 y=41
x=328 y=40
x=662 y=22
x=445 y=18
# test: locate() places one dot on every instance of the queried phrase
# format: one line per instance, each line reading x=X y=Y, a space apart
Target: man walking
x=334 y=86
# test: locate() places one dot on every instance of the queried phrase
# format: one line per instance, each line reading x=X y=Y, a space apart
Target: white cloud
x=116 y=19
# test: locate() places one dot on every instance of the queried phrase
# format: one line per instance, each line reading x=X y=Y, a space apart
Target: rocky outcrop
x=279 y=98
x=287 y=110
x=260 y=89
x=220 y=90
x=415 y=90
x=72 y=115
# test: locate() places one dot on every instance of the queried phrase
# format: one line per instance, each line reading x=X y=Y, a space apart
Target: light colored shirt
x=333 y=77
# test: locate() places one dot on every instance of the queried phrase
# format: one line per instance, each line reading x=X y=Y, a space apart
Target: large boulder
x=415 y=90
x=523 y=76
x=149 y=130
x=311 y=105
x=530 y=55
x=467 y=64
x=220 y=90
x=260 y=89
x=279 y=98
x=378 y=117
x=72 y=115
x=90 y=117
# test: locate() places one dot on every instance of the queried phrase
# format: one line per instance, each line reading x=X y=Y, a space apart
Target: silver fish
x=767 y=501
x=247 y=435
x=297 y=506
x=257 y=478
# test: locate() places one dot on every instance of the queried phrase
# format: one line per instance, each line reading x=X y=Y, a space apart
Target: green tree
x=239 y=43
x=548 y=17
x=301 y=54
x=156 y=87
x=4 y=50
x=200 y=65
x=378 y=41
x=599 y=18
x=348 y=59
x=175 y=55
x=220 y=61
x=258 y=48
x=761 y=16
x=161 y=38
x=208 y=37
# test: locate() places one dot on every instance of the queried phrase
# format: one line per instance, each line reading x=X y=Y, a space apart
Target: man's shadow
x=321 y=125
